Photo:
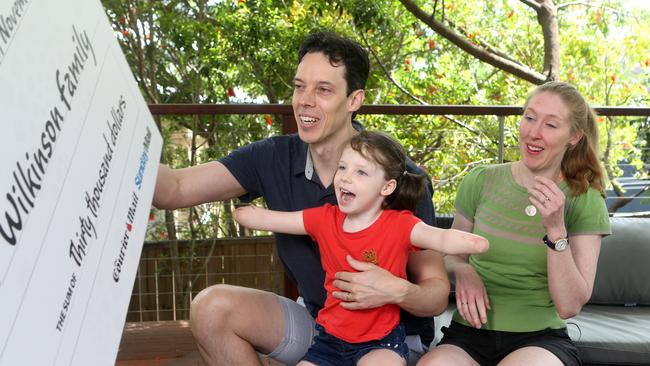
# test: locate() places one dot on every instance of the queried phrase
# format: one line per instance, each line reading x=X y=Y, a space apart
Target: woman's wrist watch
x=558 y=245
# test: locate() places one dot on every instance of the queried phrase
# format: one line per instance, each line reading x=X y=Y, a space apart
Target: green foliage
x=245 y=51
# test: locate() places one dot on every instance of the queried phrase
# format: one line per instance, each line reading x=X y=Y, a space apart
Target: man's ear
x=389 y=188
x=355 y=100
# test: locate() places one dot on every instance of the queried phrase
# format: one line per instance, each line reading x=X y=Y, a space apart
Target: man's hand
x=369 y=288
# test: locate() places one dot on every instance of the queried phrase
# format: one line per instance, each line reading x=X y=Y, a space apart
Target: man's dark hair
x=340 y=51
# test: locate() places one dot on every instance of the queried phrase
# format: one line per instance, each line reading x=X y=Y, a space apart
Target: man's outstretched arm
x=186 y=187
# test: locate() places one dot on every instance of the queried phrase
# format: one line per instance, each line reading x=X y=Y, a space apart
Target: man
x=231 y=324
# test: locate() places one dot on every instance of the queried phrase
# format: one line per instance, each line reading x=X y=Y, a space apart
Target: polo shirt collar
x=305 y=155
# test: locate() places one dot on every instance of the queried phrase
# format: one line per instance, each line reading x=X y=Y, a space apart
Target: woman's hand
x=369 y=288
x=549 y=201
x=471 y=297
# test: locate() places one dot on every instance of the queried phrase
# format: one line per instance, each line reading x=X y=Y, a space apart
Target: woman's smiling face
x=545 y=133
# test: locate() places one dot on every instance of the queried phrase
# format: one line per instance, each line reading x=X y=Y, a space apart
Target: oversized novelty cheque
x=78 y=163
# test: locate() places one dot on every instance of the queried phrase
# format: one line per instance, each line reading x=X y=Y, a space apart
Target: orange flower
x=572 y=76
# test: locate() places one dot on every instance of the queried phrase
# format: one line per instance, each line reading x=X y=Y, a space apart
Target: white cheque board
x=78 y=161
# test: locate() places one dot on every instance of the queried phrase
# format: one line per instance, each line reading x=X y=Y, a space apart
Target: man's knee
x=210 y=309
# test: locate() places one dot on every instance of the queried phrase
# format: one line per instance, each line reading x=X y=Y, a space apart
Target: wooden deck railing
x=288 y=121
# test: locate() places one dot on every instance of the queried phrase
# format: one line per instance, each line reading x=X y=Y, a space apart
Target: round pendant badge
x=530 y=210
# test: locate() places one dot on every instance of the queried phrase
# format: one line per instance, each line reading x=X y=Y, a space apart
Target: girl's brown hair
x=390 y=155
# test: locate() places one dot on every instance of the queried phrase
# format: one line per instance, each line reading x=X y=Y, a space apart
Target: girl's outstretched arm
x=449 y=241
x=258 y=218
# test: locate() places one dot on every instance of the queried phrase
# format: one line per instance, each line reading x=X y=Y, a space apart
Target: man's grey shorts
x=300 y=329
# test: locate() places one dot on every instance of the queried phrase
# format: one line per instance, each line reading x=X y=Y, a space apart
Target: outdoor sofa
x=613 y=328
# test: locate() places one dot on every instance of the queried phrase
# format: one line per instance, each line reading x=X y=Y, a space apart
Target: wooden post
x=289 y=126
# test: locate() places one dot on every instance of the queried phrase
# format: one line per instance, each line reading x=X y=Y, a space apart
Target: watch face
x=561 y=244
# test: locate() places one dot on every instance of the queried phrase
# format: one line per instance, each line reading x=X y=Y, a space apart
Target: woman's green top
x=514 y=268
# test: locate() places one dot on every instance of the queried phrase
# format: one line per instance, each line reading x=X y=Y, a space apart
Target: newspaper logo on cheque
x=130 y=215
x=144 y=158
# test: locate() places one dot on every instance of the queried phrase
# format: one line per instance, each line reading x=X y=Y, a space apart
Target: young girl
x=373 y=222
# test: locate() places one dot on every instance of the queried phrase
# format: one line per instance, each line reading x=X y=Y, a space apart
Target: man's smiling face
x=320 y=102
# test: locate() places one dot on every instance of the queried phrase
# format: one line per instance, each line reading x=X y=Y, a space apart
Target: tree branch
x=480 y=42
x=517 y=69
x=622 y=201
x=387 y=73
x=547 y=18
x=532 y=3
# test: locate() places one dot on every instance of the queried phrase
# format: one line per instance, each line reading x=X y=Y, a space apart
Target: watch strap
x=552 y=244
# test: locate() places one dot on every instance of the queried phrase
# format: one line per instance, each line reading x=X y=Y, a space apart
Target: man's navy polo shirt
x=274 y=168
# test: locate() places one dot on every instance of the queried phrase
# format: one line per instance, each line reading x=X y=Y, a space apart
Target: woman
x=544 y=217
